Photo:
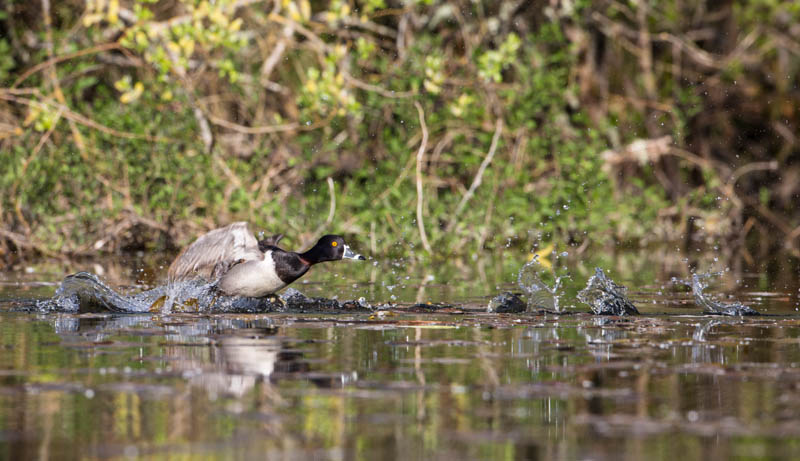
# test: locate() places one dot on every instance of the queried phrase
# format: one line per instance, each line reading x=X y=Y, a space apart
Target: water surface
x=453 y=383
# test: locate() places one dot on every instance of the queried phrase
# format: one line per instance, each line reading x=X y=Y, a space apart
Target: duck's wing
x=217 y=250
x=271 y=241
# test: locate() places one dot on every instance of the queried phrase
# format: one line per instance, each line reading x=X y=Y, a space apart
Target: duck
x=242 y=265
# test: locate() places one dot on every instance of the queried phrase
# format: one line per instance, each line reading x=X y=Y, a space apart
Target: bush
x=147 y=122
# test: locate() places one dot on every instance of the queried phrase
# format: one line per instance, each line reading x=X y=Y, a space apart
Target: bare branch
x=498 y=130
x=420 y=156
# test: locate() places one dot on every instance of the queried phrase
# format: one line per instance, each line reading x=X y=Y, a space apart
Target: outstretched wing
x=271 y=241
x=220 y=248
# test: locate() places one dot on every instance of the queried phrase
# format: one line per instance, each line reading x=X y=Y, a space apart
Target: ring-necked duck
x=249 y=267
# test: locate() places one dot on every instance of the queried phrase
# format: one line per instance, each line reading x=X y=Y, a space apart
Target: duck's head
x=330 y=248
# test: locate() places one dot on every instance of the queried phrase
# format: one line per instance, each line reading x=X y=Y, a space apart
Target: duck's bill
x=350 y=254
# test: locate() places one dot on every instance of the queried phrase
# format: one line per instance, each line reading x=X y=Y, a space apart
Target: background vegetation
x=417 y=126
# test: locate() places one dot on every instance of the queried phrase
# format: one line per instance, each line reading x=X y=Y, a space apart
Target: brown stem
x=420 y=157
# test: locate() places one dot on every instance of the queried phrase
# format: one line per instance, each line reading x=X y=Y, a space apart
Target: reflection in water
x=240 y=353
x=401 y=386
x=242 y=362
x=702 y=330
x=451 y=384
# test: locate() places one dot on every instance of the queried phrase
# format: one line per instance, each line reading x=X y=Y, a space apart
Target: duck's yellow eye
x=333 y=244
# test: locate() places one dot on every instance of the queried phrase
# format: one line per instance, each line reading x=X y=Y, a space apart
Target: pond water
x=452 y=383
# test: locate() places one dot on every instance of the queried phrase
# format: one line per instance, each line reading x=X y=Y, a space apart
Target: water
x=443 y=380
x=539 y=293
x=85 y=292
x=699 y=283
x=605 y=297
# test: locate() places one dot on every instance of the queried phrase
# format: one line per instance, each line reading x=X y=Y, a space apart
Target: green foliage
x=492 y=62
x=6 y=60
x=210 y=30
x=324 y=92
x=319 y=90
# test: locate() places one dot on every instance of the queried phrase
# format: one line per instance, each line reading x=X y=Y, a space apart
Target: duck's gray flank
x=252 y=278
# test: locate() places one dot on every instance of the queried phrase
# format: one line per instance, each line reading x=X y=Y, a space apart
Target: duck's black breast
x=289 y=266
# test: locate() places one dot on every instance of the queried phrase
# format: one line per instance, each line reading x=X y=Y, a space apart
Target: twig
x=74 y=116
x=622 y=34
x=769 y=215
x=294 y=126
x=486 y=222
x=793 y=235
x=727 y=188
x=398 y=181
x=646 y=54
x=65 y=57
x=364 y=24
x=420 y=156
x=372 y=240
x=750 y=167
x=400 y=41
x=21 y=242
x=277 y=52
x=187 y=88
x=311 y=36
x=498 y=130
x=25 y=164
x=228 y=172
x=331 y=211
x=376 y=89
x=53 y=74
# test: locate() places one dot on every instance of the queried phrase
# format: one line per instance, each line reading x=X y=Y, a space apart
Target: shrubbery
x=132 y=124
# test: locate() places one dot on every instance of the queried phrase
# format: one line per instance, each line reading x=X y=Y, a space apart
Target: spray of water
x=540 y=295
x=85 y=292
x=606 y=297
x=699 y=282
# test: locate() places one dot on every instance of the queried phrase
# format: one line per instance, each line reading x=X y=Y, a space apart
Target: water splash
x=85 y=292
x=702 y=330
x=606 y=297
x=506 y=302
x=699 y=282
x=540 y=295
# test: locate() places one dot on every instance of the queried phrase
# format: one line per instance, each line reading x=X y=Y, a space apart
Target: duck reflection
x=225 y=356
x=239 y=362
